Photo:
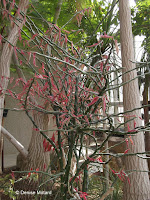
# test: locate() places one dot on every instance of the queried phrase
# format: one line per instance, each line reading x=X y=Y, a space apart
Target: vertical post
x=115 y=92
x=146 y=116
x=139 y=181
x=115 y=98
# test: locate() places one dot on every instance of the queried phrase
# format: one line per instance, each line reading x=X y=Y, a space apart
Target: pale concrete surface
x=16 y=123
x=10 y=160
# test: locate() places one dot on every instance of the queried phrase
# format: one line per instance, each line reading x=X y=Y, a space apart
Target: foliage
x=82 y=19
x=7 y=185
x=141 y=24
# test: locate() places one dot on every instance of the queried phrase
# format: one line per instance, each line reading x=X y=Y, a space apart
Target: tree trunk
x=146 y=115
x=6 y=55
x=139 y=189
x=37 y=157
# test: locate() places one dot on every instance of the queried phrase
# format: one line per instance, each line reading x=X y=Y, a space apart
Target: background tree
x=131 y=101
x=6 y=51
x=141 y=24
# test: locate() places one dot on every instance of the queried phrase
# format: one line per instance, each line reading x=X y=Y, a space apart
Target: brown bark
x=37 y=157
x=146 y=115
x=6 y=55
x=139 y=187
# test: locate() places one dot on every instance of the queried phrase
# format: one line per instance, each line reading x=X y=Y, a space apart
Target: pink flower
x=126 y=151
x=122 y=175
x=99 y=159
x=12 y=175
x=83 y=195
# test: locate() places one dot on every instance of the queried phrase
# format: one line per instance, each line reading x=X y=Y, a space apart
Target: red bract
x=5 y=14
x=15 y=50
x=79 y=18
x=107 y=67
x=104 y=104
x=13 y=3
x=11 y=19
x=122 y=175
x=44 y=166
x=12 y=175
x=29 y=56
x=39 y=76
x=20 y=62
x=93 y=45
x=127 y=142
x=29 y=174
x=86 y=119
x=40 y=45
x=10 y=92
x=91 y=159
x=55 y=37
x=101 y=66
x=35 y=129
x=33 y=37
x=45 y=87
x=83 y=195
x=129 y=130
x=126 y=151
x=59 y=35
x=17 y=81
x=34 y=59
x=94 y=100
x=65 y=121
x=45 y=145
x=53 y=138
x=49 y=147
x=54 y=87
x=88 y=11
x=94 y=133
x=99 y=159
x=4 y=3
x=106 y=36
x=66 y=39
x=131 y=140
x=134 y=124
